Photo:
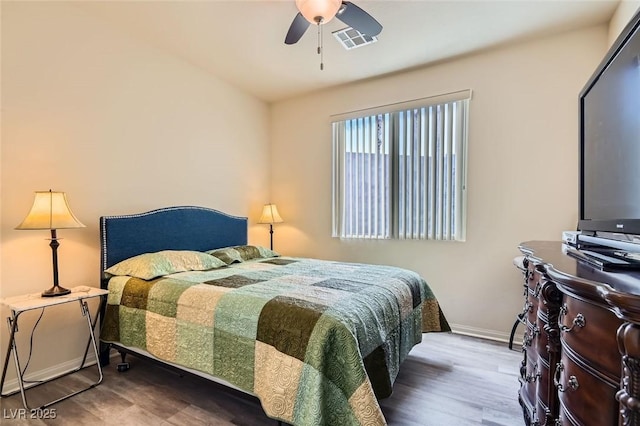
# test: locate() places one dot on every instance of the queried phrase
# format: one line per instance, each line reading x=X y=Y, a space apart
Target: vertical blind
x=402 y=173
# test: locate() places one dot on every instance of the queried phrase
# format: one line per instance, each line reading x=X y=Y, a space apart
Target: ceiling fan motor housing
x=318 y=11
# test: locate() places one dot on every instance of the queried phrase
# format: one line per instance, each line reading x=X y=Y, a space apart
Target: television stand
x=606 y=259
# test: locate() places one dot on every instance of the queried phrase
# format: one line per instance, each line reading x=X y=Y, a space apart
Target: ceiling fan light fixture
x=312 y=10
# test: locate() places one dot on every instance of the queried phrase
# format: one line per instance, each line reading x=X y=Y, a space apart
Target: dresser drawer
x=528 y=386
x=541 y=340
x=588 y=331
x=531 y=307
x=532 y=276
x=545 y=390
x=585 y=399
x=533 y=292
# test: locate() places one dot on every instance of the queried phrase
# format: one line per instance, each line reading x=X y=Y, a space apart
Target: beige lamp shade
x=318 y=11
x=50 y=210
x=270 y=214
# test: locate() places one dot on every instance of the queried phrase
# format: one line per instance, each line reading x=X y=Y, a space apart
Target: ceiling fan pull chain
x=320 y=45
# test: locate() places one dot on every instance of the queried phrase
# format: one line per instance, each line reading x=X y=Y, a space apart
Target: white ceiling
x=242 y=41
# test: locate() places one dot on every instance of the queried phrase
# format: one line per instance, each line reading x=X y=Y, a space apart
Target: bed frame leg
x=123 y=366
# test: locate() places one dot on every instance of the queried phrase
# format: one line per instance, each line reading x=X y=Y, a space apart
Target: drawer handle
x=579 y=321
x=534 y=374
x=572 y=383
x=536 y=291
x=529 y=335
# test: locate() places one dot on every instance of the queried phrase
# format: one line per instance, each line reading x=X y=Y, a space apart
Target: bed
x=317 y=342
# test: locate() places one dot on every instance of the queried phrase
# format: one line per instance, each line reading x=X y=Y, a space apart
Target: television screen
x=610 y=140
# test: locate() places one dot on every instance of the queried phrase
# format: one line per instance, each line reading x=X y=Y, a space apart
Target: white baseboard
x=47 y=373
x=498 y=336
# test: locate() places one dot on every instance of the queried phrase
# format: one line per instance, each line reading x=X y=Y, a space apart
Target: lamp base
x=56 y=290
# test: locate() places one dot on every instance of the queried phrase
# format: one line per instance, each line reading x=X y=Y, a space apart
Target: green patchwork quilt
x=318 y=342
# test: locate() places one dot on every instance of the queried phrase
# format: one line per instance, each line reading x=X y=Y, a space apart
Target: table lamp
x=270 y=215
x=51 y=211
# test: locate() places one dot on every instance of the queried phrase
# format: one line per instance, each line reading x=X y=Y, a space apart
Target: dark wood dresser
x=581 y=344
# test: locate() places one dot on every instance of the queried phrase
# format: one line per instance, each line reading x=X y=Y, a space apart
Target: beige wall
x=522 y=173
x=121 y=127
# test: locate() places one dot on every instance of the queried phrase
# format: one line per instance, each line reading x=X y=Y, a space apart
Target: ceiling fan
x=320 y=12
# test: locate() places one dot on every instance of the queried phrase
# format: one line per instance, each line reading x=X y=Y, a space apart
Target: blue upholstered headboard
x=170 y=228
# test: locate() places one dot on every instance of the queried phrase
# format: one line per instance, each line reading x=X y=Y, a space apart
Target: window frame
x=461 y=159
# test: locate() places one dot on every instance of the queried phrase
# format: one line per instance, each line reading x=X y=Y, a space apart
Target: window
x=401 y=173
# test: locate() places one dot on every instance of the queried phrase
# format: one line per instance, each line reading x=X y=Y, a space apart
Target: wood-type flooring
x=447 y=380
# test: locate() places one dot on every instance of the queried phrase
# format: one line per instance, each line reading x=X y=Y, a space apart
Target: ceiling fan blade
x=358 y=19
x=297 y=29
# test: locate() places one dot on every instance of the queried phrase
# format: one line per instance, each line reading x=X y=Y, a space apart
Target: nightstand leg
x=13 y=349
x=12 y=331
x=87 y=314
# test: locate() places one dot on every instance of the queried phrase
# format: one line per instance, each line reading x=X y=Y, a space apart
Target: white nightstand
x=21 y=304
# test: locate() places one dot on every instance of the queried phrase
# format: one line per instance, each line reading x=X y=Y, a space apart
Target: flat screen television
x=610 y=143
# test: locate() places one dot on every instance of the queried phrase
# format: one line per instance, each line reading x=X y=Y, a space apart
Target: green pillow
x=151 y=265
x=237 y=254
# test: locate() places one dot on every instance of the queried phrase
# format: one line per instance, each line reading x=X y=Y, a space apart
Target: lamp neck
x=271 y=235
x=54 y=251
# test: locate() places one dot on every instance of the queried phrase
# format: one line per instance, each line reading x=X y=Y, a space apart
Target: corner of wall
x=621 y=17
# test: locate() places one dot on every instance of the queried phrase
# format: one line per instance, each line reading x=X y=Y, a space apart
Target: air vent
x=351 y=38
